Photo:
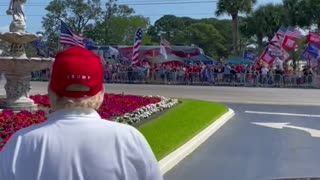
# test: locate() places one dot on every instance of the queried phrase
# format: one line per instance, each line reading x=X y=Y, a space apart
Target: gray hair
x=58 y=102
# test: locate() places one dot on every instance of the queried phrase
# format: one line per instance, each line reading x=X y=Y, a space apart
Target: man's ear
x=103 y=89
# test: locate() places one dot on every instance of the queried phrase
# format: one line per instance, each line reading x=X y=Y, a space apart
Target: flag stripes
x=136 y=46
x=69 y=37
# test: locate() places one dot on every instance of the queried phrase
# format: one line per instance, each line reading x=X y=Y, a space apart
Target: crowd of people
x=221 y=73
x=200 y=73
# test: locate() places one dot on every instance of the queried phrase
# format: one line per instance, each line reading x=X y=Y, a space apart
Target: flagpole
x=153 y=64
x=59 y=44
x=134 y=40
x=243 y=53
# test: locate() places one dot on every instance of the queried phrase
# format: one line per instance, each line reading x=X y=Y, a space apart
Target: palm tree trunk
x=235 y=33
x=260 y=42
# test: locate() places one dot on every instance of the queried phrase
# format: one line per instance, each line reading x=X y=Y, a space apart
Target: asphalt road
x=211 y=93
x=245 y=151
x=240 y=149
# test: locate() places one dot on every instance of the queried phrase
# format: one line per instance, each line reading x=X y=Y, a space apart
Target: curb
x=171 y=160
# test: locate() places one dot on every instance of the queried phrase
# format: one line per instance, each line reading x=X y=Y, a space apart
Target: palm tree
x=269 y=18
x=311 y=9
x=263 y=22
x=302 y=13
x=233 y=8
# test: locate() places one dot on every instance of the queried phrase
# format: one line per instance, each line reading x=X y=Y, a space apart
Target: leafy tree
x=113 y=9
x=309 y=13
x=168 y=26
x=114 y=25
x=118 y=25
x=263 y=22
x=187 y=31
x=233 y=8
x=120 y=30
x=77 y=14
x=251 y=30
x=205 y=36
x=295 y=13
x=303 y=13
x=225 y=29
x=295 y=55
x=103 y=26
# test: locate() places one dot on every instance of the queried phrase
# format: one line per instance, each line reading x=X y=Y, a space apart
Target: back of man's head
x=76 y=80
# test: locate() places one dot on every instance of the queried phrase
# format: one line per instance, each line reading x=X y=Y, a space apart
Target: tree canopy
x=112 y=23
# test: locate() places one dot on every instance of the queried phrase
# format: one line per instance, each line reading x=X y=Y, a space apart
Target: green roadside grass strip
x=180 y=124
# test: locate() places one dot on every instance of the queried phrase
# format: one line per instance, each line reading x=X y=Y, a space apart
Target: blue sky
x=35 y=10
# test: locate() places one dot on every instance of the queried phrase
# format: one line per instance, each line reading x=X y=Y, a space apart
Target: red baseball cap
x=76 y=65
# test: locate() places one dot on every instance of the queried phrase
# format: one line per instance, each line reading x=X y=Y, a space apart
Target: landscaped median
x=173 y=128
x=180 y=124
x=178 y=132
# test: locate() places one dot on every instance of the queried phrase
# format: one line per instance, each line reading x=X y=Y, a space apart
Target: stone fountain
x=16 y=65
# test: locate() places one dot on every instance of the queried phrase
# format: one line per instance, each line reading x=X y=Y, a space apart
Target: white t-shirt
x=78 y=145
x=264 y=71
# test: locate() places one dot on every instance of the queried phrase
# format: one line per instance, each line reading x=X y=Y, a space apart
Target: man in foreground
x=75 y=143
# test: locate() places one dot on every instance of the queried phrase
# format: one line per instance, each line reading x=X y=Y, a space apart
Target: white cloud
x=4 y=28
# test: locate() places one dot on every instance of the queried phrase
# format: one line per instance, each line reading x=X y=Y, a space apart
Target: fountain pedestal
x=17 y=90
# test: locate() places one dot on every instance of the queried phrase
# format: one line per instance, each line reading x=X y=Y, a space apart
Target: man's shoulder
x=127 y=133
x=33 y=129
x=123 y=129
x=27 y=133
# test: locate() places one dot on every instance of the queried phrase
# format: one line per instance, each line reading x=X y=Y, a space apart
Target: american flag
x=275 y=39
x=278 y=37
x=274 y=50
x=282 y=31
x=136 y=46
x=293 y=32
x=69 y=37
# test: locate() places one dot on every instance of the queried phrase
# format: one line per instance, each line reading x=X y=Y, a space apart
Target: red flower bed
x=113 y=105
x=11 y=122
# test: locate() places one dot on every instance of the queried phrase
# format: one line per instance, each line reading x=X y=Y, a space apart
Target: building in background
x=151 y=54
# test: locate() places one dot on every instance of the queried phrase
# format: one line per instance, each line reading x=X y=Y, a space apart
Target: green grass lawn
x=180 y=124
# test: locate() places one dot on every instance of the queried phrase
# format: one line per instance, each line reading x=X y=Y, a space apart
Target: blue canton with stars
x=138 y=35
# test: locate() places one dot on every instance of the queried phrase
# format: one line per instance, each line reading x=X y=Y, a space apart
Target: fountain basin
x=18 y=37
x=18 y=65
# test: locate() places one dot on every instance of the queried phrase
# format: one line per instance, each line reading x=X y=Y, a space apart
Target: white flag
x=113 y=51
x=163 y=44
x=163 y=51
